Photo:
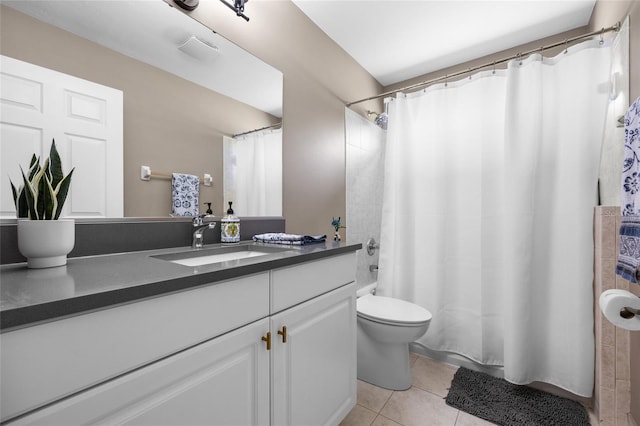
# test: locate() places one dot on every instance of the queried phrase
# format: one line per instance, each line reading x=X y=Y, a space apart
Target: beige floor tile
x=359 y=416
x=383 y=421
x=466 y=419
x=418 y=407
x=412 y=358
x=372 y=397
x=432 y=376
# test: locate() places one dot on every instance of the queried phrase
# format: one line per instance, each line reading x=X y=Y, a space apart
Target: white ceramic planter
x=46 y=243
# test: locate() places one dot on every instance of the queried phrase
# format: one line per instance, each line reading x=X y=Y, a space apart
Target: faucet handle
x=200 y=219
x=197 y=220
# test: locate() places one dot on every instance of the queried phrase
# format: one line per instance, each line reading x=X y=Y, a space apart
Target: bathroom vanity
x=142 y=338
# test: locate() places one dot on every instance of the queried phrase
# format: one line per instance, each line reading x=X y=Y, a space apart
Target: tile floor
x=423 y=404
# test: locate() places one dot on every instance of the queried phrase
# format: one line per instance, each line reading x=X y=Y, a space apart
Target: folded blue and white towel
x=290 y=239
x=629 y=255
x=184 y=194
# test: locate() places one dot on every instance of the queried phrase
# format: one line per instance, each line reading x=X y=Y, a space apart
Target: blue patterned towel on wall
x=290 y=239
x=629 y=255
x=184 y=194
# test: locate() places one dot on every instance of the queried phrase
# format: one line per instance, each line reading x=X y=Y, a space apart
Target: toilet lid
x=390 y=310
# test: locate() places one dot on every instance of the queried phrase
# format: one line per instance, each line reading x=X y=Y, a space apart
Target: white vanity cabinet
x=196 y=357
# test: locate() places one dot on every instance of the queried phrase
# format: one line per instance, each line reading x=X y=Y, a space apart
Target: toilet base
x=383 y=364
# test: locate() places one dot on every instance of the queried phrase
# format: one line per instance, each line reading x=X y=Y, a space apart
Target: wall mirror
x=185 y=88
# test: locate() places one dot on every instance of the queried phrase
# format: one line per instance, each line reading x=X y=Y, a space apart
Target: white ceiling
x=395 y=40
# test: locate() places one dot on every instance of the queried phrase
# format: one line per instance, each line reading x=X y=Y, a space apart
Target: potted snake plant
x=43 y=238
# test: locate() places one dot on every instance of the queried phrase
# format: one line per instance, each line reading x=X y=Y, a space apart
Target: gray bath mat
x=504 y=403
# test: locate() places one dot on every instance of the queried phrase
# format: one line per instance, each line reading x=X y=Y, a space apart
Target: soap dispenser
x=230 y=227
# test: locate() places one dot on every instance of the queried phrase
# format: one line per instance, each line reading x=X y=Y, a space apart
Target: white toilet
x=386 y=326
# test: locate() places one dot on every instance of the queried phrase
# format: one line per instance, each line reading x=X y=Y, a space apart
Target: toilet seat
x=388 y=310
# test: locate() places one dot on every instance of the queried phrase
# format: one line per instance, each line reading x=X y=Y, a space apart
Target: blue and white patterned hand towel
x=184 y=194
x=289 y=239
x=629 y=255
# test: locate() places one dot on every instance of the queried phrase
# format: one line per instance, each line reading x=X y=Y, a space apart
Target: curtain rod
x=565 y=43
x=273 y=126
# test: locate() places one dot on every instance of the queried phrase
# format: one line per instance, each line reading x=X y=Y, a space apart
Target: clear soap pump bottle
x=230 y=227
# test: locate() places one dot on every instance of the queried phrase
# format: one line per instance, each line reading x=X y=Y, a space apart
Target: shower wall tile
x=612 y=397
x=609 y=211
x=621 y=283
x=607 y=407
x=623 y=370
x=607 y=333
x=364 y=189
x=596 y=387
x=623 y=402
x=608 y=367
x=609 y=241
x=608 y=274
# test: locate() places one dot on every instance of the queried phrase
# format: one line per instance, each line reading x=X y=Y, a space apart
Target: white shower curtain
x=490 y=184
x=253 y=173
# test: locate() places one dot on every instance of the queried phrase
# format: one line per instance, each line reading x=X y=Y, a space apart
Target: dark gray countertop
x=31 y=296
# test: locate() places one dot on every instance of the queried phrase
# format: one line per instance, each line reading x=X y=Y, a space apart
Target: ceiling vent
x=199 y=49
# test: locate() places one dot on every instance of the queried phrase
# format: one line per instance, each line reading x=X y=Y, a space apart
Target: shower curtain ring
x=519 y=58
x=601 y=37
x=469 y=71
x=494 y=68
x=446 y=83
x=566 y=48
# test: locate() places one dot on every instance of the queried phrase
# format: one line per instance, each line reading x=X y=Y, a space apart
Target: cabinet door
x=224 y=381
x=314 y=371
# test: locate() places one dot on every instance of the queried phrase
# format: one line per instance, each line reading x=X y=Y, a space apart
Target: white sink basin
x=217 y=258
x=208 y=256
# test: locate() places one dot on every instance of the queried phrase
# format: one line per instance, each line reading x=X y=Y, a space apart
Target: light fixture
x=187 y=4
x=237 y=7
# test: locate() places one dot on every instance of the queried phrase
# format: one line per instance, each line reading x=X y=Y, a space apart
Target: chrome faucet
x=198 y=234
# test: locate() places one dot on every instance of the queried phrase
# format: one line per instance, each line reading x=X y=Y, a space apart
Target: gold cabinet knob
x=283 y=333
x=267 y=339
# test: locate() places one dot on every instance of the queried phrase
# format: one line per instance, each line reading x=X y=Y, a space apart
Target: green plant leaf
x=23 y=205
x=43 y=200
x=30 y=197
x=20 y=201
x=34 y=166
x=15 y=193
x=55 y=165
x=48 y=197
x=61 y=192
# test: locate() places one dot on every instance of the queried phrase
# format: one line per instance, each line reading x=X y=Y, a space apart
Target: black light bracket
x=237 y=7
